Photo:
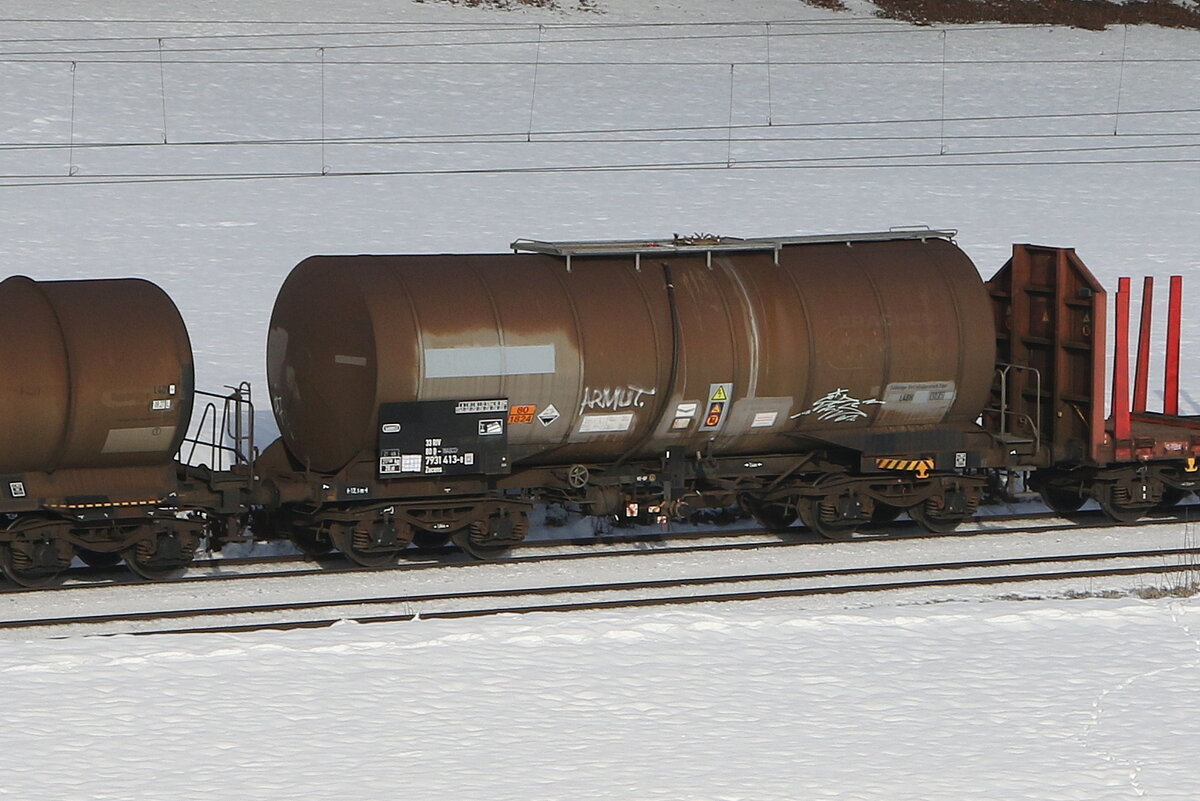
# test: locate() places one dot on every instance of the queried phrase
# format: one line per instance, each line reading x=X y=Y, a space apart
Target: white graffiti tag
x=839 y=407
x=614 y=398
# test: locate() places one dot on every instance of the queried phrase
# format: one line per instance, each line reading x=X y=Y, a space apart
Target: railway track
x=1178 y=564
x=578 y=548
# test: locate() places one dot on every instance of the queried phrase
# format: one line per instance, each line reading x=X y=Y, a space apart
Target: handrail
x=711 y=243
x=230 y=433
x=1002 y=371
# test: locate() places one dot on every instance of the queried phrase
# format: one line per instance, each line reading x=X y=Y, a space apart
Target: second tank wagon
x=628 y=350
x=589 y=361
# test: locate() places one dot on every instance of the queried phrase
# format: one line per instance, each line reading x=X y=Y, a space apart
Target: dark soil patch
x=510 y=5
x=1090 y=14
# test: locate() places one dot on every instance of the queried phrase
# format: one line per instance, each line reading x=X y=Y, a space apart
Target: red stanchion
x=1141 y=375
x=1120 y=384
x=1174 y=321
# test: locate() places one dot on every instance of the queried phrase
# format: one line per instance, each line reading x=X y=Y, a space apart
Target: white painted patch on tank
x=916 y=402
x=489 y=361
x=139 y=440
x=605 y=423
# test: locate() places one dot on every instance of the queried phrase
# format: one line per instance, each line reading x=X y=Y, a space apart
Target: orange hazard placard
x=719 y=397
x=521 y=414
x=715 y=412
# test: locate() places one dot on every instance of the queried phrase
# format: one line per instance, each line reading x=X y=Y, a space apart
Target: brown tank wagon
x=96 y=374
x=96 y=393
x=594 y=361
x=623 y=357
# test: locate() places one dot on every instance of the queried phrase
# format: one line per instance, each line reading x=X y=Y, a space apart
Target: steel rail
x=632 y=586
x=334 y=564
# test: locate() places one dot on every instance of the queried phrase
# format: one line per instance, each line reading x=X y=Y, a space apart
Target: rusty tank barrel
x=92 y=374
x=624 y=355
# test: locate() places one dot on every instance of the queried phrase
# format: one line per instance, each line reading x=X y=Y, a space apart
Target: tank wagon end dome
x=95 y=373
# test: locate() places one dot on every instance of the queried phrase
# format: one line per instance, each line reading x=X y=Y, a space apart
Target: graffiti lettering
x=839 y=407
x=614 y=398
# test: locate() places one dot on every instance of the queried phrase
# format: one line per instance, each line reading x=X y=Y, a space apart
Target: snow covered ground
x=1088 y=699
x=567 y=127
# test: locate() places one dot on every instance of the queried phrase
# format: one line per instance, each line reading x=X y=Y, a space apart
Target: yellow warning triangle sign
x=720 y=395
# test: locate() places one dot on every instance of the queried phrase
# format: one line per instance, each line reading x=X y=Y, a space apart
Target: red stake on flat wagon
x=1120 y=384
x=1174 y=320
x=1141 y=375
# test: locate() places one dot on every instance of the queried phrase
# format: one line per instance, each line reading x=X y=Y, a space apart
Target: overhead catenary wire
x=162 y=83
x=71 y=135
x=743 y=135
x=324 y=162
x=545 y=62
x=12 y=182
x=533 y=89
x=482 y=24
x=490 y=140
x=770 y=106
x=402 y=28
x=826 y=159
x=622 y=40
x=722 y=128
x=1121 y=80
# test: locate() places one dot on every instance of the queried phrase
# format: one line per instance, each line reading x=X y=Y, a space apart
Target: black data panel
x=443 y=438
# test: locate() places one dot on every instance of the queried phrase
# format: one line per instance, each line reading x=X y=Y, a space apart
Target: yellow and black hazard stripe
x=102 y=505
x=919 y=466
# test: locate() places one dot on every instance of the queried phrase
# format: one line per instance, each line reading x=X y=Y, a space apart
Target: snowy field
x=211 y=156
x=999 y=701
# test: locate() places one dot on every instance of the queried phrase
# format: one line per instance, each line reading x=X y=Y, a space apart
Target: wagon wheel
x=1170 y=498
x=35 y=562
x=884 y=513
x=1115 y=503
x=356 y=544
x=932 y=516
x=1124 y=515
x=16 y=566
x=160 y=554
x=429 y=540
x=1061 y=500
x=309 y=541
x=97 y=558
x=492 y=538
x=820 y=515
x=773 y=516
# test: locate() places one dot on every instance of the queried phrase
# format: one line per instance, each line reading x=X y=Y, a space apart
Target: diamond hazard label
x=548 y=415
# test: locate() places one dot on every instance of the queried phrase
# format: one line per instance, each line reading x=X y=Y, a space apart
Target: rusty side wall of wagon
x=94 y=374
x=618 y=357
x=833 y=339
x=349 y=334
